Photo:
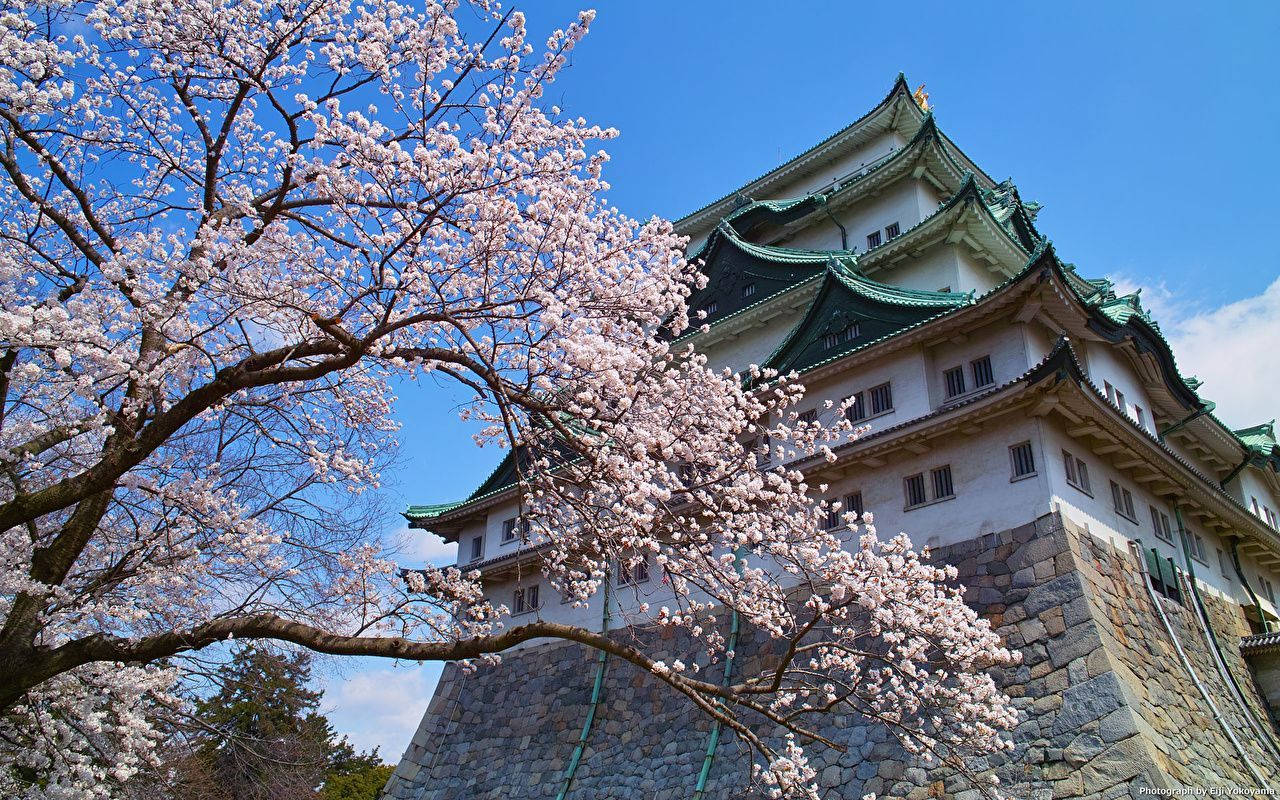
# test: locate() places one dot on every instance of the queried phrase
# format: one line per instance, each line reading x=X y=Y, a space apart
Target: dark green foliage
x=261 y=736
x=363 y=783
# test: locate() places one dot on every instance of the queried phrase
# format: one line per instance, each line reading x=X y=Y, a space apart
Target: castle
x=1027 y=423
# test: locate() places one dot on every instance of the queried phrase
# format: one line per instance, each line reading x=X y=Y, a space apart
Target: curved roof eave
x=787 y=211
x=899 y=92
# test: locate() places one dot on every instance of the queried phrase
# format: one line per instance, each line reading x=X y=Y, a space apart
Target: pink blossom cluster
x=226 y=226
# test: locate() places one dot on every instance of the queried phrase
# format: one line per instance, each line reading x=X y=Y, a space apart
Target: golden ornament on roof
x=921 y=97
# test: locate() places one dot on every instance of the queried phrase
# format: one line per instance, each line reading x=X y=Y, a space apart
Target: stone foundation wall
x=1107 y=707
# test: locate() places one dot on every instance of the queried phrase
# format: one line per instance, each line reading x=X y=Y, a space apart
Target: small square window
x=1122 y=501
x=857 y=408
x=954 y=379
x=477 y=548
x=1160 y=523
x=1139 y=417
x=1120 y=402
x=525 y=599
x=749 y=290
x=509 y=528
x=809 y=416
x=1022 y=459
x=881 y=398
x=832 y=519
x=846 y=334
x=853 y=504
x=633 y=574
x=711 y=308
x=892 y=231
x=1199 y=550
x=873 y=239
x=1110 y=390
x=1083 y=470
x=942 y=483
x=914 y=488
x=1077 y=473
x=1222 y=563
x=1270 y=590
x=982 y=374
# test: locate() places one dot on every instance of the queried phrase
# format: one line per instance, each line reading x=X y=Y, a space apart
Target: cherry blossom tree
x=226 y=226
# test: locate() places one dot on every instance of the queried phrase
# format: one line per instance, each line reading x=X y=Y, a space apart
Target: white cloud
x=381 y=705
x=1234 y=348
x=417 y=547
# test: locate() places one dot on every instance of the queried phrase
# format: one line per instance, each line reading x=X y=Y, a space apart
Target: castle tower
x=1028 y=424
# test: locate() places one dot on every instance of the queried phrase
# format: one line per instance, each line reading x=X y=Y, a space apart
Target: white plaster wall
x=1097 y=513
x=903 y=370
x=1106 y=366
x=1249 y=485
x=857 y=159
x=900 y=202
x=753 y=346
x=1002 y=341
x=986 y=500
x=973 y=275
x=1038 y=341
x=469 y=532
x=935 y=269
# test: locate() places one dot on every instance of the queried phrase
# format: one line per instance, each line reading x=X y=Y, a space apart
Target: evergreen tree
x=264 y=737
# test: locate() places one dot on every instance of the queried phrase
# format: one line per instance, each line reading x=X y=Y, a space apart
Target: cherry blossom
x=226 y=228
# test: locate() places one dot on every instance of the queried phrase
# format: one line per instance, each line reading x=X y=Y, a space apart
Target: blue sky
x=1147 y=130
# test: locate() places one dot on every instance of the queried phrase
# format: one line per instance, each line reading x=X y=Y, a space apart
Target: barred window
x=942 y=483
x=1160 y=522
x=1083 y=470
x=982 y=374
x=1022 y=459
x=881 y=398
x=1122 y=501
x=526 y=599
x=711 y=308
x=832 y=519
x=857 y=409
x=954 y=378
x=892 y=230
x=853 y=503
x=1077 y=473
x=873 y=239
x=1199 y=550
x=810 y=415
x=749 y=290
x=914 y=486
x=846 y=334
x=630 y=574
x=477 y=548
x=513 y=526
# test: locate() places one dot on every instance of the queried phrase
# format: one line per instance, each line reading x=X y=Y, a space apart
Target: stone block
x=1051 y=594
x=1120 y=762
x=1085 y=702
x=1077 y=642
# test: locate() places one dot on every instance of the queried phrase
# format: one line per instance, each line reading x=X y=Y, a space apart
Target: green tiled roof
x=1260 y=438
x=424 y=512
x=899 y=295
x=880 y=311
x=899 y=85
